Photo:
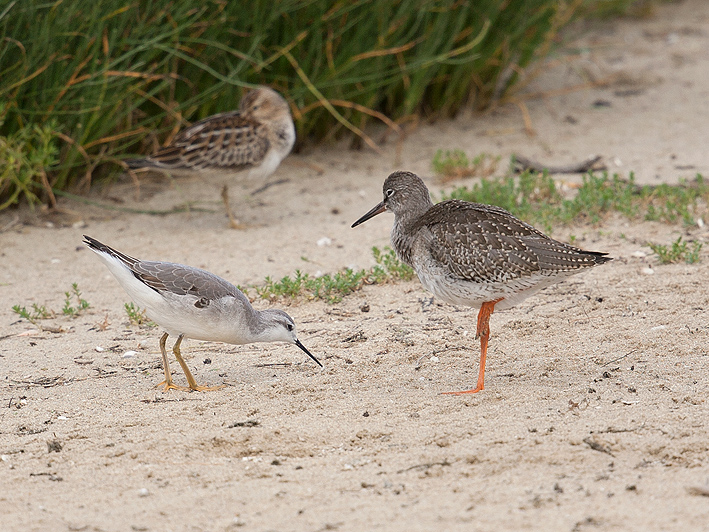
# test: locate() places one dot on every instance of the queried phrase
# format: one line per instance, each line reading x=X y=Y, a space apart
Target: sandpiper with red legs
x=474 y=254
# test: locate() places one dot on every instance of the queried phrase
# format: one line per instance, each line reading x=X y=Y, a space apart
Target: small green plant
x=137 y=316
x=669 y=203
x=692 y=257
x=455 y=164
x=393 y=267
x=333 y=287
x=329 y=287
x=678 y=251
x=82 y=304
x=38 y=312
x=27 y=155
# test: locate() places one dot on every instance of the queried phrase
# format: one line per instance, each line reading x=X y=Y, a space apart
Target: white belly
x=472 y=294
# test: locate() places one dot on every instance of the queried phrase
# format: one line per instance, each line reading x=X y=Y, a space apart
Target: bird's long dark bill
x=371 y=214
x=297 y=342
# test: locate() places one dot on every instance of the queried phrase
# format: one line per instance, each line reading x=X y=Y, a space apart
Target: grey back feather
x=178 y=279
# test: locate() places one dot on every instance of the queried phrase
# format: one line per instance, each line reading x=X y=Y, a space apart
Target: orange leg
x=167 y=383
x=483 y=332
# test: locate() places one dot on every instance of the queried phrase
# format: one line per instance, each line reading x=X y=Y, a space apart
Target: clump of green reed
x=536 y=198
x=333 y=287
x=678 y=251
x=614 y=8
x=120 y=78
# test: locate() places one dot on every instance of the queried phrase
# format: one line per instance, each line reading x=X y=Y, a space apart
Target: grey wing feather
x=183 y=280
x=478 y=257
x=170 y=277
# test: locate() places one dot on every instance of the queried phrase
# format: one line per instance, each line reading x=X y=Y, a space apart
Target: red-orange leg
x=483 y=332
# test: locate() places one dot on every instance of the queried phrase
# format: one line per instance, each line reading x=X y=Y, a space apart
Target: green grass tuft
x=456 y=165
x=677 y=252
x=333 y=287
x=82 y=304
x=27 y=154
x=40 y=312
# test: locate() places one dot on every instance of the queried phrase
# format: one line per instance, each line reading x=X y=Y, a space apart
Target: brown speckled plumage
x=474 y=254
x=253 y=139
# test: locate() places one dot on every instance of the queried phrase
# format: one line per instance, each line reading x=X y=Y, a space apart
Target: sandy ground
x=594 y=415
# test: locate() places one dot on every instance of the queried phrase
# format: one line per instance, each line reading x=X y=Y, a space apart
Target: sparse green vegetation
x=393 y=268
x=536 y=198
x=82 y=304
x=137 y=316
x=27 y=155
x=40 y=312
x=614 y=8
x=670 y=203
x=456 y=165
x=678 y=251
x=333 y=287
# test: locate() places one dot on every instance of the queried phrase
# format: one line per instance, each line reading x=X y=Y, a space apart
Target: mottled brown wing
x=229 y=140
x=486 y=244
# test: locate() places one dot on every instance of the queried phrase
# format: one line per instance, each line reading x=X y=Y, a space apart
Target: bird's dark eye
x=389 y=192
x=289 y=326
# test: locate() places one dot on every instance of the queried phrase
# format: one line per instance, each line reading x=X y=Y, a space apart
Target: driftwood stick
x=522 y=163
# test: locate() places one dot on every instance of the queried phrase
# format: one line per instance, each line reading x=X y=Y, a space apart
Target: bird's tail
x=599 y=257
x=99 y=247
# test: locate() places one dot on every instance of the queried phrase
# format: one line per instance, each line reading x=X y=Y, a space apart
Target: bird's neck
x=284 y=132
x=403 y=232
x=246 y=326
x=261 y=325
x=257 y=326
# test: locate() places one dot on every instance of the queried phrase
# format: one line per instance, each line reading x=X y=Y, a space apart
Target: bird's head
x=403 y=192
x=263 y=103
x=280 y=327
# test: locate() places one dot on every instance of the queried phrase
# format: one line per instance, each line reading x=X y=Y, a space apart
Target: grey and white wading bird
x=249 y=142
x=192 y=303
x=474 y=254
